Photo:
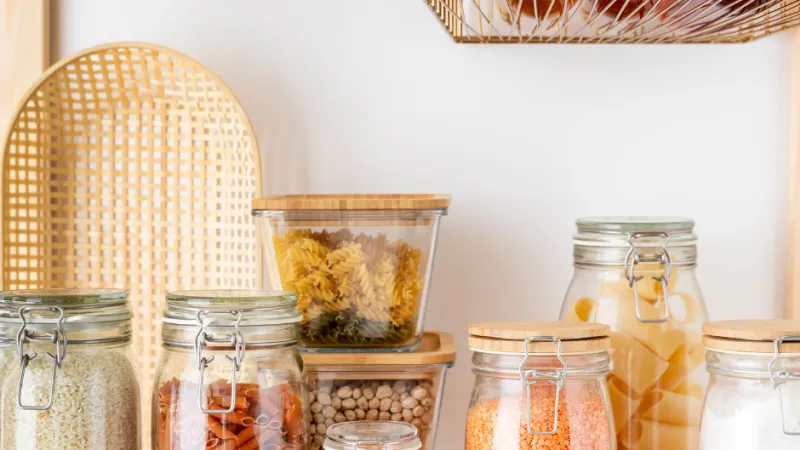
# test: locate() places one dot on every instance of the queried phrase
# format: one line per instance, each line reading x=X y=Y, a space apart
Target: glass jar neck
x=785 y=367
x=77 y=324
x=648 y=250
x=589 y=365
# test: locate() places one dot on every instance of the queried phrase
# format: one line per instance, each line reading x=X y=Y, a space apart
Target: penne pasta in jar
x=637 y=274
x=230 y=377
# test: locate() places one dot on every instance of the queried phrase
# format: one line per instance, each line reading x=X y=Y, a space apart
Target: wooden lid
x=751 y=336
x=437 y=347
x=509 y=337
x=343 y=202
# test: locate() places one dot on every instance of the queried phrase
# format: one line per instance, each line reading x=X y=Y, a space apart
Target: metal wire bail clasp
x=57 y=337
x=633 y=258
x=202 y=339
x=531 y=377
x=779 y=378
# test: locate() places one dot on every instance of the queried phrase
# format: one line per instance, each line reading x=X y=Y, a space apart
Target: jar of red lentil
x=540 y=385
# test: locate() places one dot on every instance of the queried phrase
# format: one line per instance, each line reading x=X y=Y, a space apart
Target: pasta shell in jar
x=637 y=274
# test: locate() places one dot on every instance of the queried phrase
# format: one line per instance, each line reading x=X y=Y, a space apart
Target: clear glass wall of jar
x=67 y=376
x=753 y=400
x=540 y=385
x=623 y=268
x=372 y=435
x=230 y=375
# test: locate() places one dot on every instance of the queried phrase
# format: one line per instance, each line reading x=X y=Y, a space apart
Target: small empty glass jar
x=372 y=435
x=753 y=399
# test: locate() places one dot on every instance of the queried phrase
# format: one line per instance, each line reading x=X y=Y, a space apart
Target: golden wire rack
x=614 y=21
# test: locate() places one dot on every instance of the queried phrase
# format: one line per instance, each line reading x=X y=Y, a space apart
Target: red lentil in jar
x=521 y=369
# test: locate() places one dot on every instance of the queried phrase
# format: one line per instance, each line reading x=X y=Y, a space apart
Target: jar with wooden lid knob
x=372 y=435
x=637 y=274
x=540 y=385
x=753 y=399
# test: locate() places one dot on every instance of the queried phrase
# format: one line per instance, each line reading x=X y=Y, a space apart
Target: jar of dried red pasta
x=230 y=376
x=637 y=274
x=540 y=385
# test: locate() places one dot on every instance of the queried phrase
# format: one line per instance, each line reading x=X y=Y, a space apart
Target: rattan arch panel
x=132 y=166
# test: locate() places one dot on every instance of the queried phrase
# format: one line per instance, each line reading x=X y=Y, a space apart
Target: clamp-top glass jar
x=753 y=399
x=637 y=274
x=67 y=377
x=538 y=386
x=231 y=374
x=372 y=435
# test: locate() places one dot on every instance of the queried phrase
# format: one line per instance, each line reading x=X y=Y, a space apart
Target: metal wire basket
x=614 y=21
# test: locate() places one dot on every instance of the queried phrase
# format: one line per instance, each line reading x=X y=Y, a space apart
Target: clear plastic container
x=623 y=268
x=404 y=387
x=361 y=265
x=68 y=378
x=753 y=399
x=540 y=386
x=372 y=435
x=230 y=375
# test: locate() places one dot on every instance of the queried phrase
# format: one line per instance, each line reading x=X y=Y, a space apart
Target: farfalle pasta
x=352 y=289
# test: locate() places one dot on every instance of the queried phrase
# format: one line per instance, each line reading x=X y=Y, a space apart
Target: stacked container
x=361 y=266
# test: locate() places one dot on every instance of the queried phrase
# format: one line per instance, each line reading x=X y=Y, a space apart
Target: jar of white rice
x=67 y=377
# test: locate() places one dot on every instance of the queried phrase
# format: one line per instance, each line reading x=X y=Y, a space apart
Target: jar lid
x=79 y=306
x=753 y=336
x=436 y=348
x=67 y=298
x=261 y=316
x=372 y=435
x=541 y=337
x=634 y=224
x=352 y=202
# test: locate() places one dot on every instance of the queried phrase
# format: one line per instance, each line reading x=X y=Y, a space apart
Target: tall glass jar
x=637 y=274
x=540 y=385
x=67 y=378
x=372 y=435
x=753 y=399
x=230 y=375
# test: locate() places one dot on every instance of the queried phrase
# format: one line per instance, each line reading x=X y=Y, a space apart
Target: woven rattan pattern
x=130 y=166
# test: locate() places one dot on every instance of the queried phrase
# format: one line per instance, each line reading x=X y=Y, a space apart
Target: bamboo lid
x=510 y=337
x=751 y=336
x=344 y=202
x=437 y=347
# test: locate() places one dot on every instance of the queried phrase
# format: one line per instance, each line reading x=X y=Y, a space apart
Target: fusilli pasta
x=352 y=289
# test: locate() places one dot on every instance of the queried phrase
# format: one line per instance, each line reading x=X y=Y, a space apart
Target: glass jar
x=361 y=265
x=753 y=399
x=410 y=386
x=372 y=435
x=230 y=375
x=637 y=275
x=538 y=386
x=68 y=378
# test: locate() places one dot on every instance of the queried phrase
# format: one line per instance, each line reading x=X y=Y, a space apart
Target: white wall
x=372 y=96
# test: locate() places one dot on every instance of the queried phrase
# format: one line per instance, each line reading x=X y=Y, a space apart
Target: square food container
x=404 y=387
x=361 y=265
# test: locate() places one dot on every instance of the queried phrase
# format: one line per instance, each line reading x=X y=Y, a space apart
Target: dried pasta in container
x=361 y=265
x=638 y=276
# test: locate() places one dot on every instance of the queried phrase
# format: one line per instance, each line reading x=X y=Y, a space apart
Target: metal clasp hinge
x=782 y=377
x=57 y=337
x=633 y=258
x=531 y=377
x=202 y=339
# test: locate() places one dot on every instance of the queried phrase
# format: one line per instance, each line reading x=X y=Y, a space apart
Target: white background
x=372 y=96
